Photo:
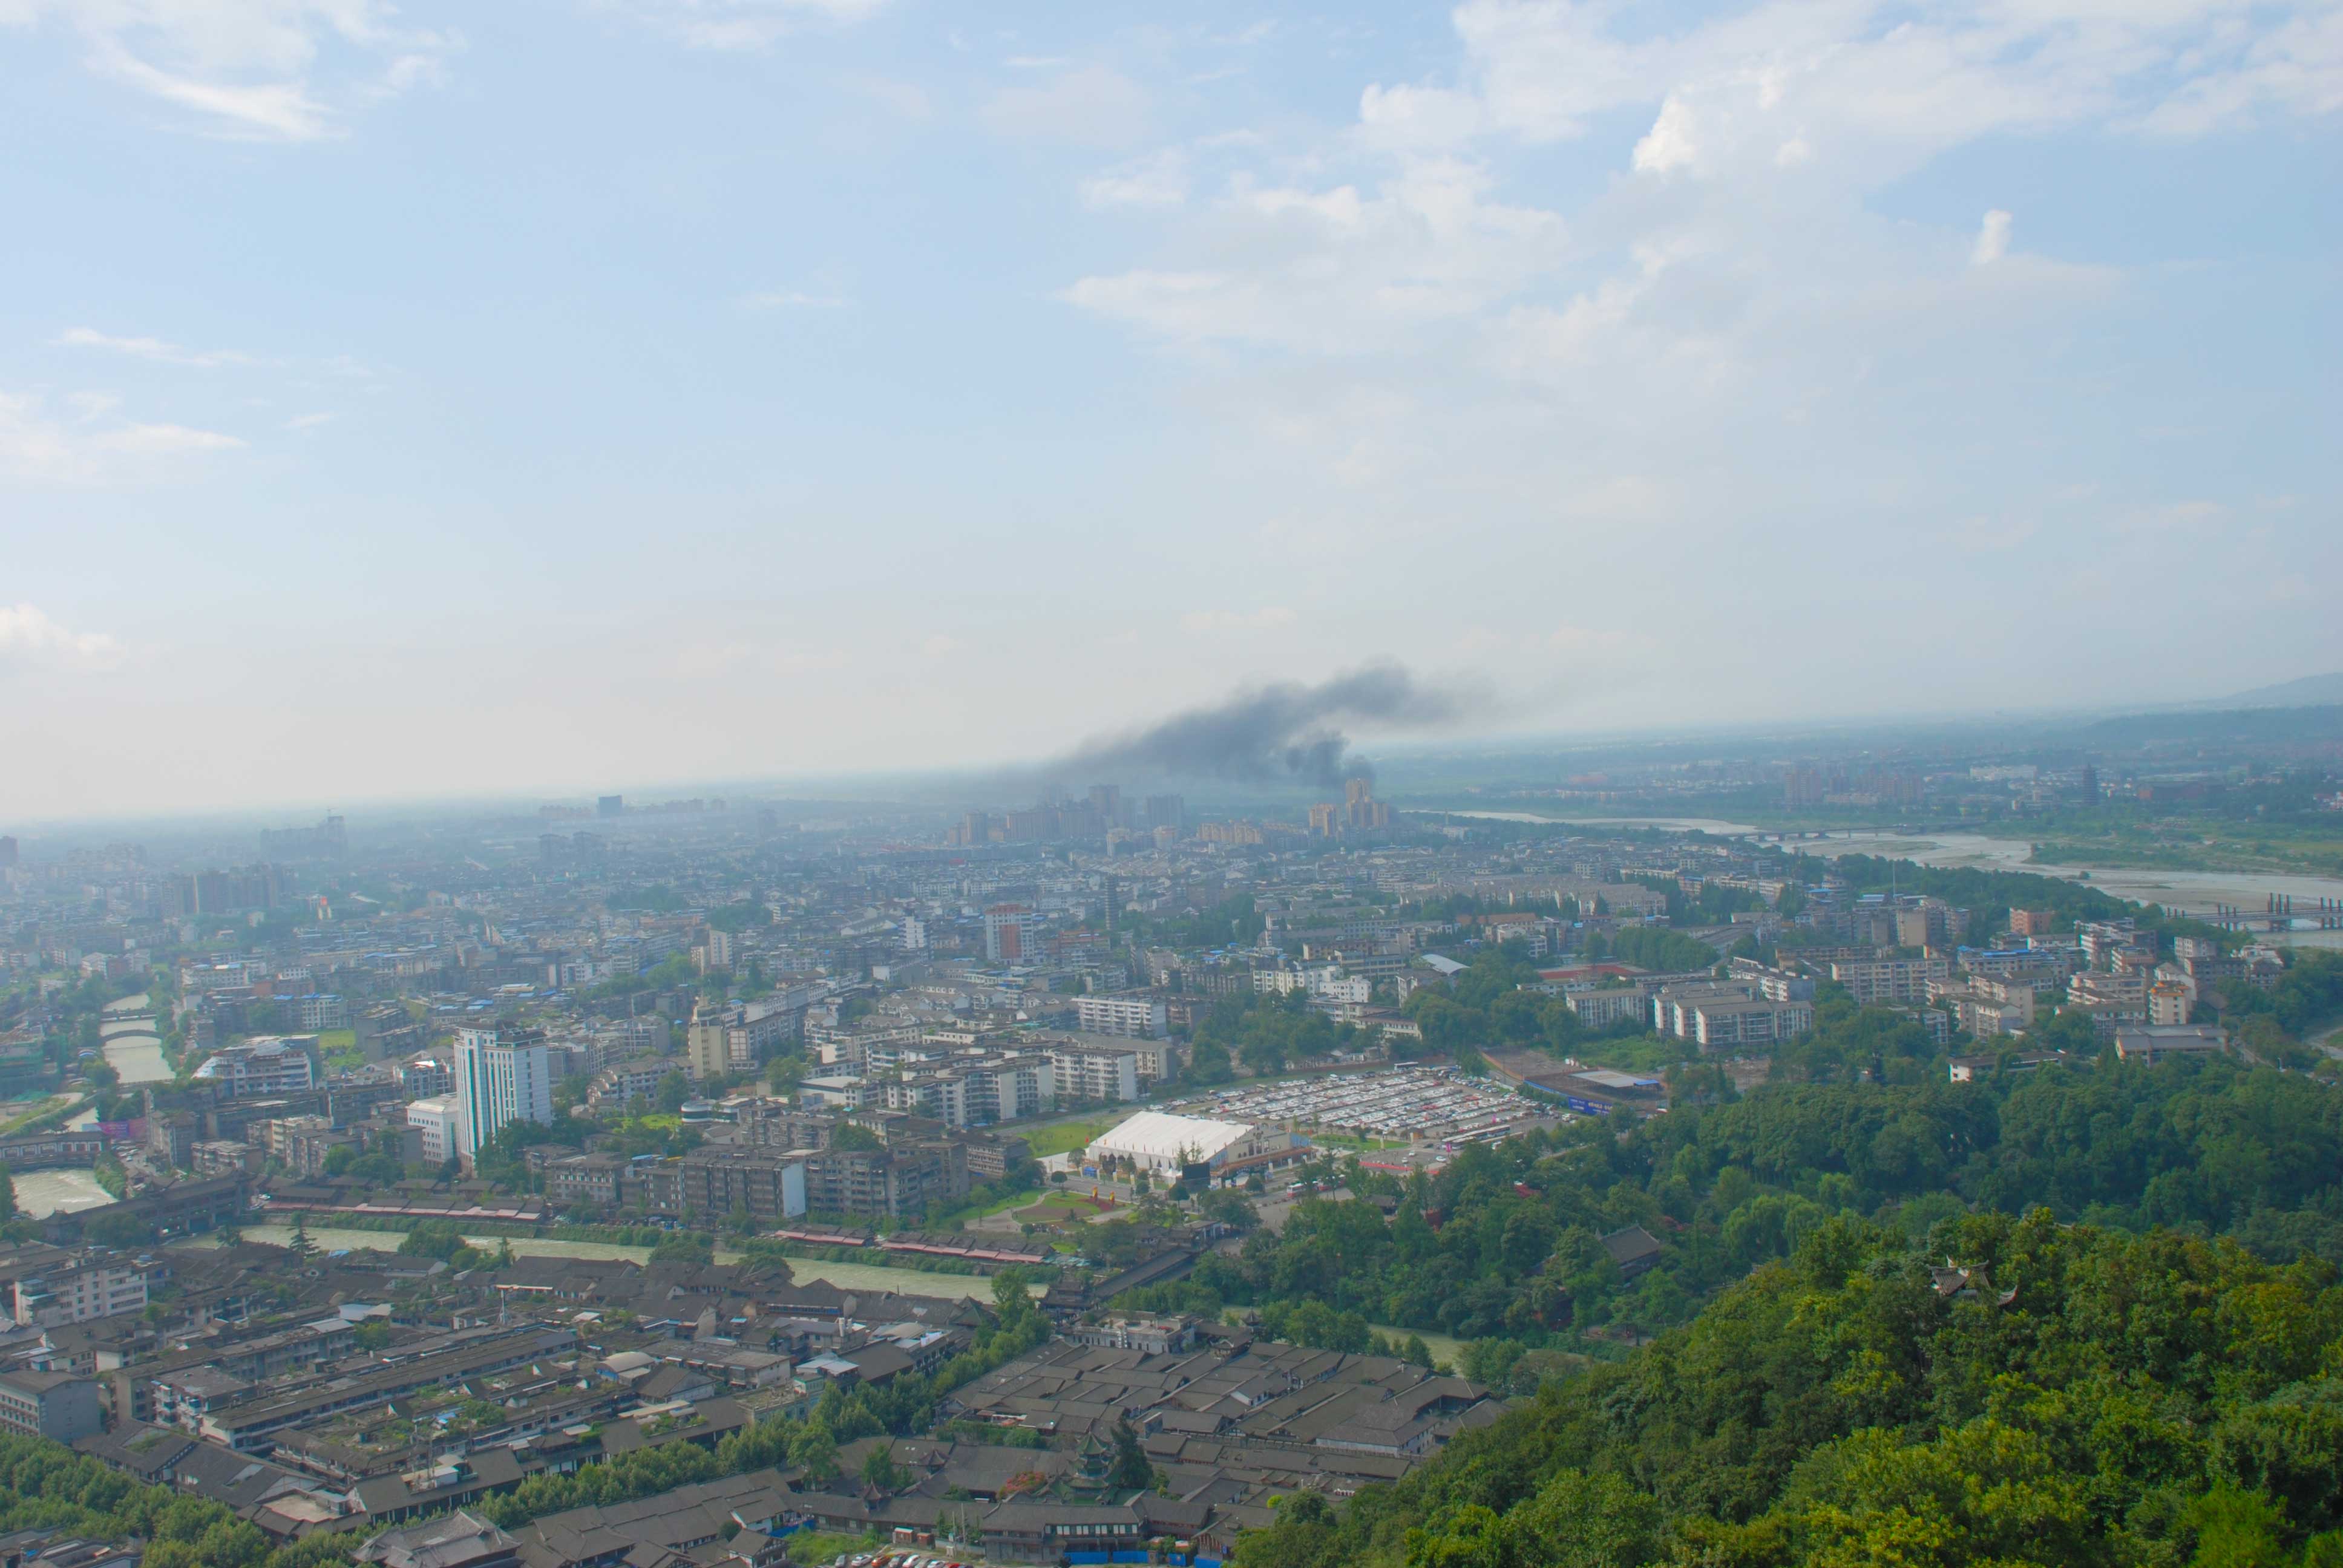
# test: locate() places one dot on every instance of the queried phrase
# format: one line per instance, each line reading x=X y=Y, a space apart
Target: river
x=41 y=1193
x=134 y=1051
x=846 y=1276
x=2194 y=891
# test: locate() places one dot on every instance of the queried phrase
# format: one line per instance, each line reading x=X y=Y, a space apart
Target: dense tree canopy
x=2091 y=1397
x=1506 y=1242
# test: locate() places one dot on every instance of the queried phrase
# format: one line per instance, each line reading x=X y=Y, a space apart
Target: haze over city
x=442 y=400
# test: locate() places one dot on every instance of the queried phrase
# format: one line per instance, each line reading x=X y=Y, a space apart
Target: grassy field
x=1059 y=1206
x=338 y=1048
x=816 y=1547
x=1066 y=1136
x=1442 y=1347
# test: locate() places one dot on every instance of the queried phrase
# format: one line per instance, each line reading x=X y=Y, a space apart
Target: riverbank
x=61 y=1190
x=2192 y=890
x=845 y=1276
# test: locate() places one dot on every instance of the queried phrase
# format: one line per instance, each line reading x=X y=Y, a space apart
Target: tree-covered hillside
x=1505 y=1245
x=2082 y=1395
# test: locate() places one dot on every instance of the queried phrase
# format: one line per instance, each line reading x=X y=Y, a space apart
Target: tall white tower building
x=501 y=1077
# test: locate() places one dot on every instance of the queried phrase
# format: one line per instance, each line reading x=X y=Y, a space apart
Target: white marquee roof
x=1160 y=1135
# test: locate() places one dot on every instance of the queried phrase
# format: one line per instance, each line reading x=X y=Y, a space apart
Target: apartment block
x=1095 y=1073
x=1131 y=1017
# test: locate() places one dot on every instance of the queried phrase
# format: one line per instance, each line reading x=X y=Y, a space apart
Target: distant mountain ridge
x=2309 y=691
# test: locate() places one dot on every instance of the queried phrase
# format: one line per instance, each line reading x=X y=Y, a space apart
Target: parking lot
x=1389 y=1106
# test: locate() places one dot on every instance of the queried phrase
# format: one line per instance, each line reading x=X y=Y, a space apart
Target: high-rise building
x=1106 y=800
x=708 y=1051
x=610 y=806
x=260 y=887
x=502 y=1076
x=7 y=852
x=1166 y=812
x=1009 y=930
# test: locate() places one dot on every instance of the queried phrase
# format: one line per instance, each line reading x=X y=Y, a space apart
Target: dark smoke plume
x=1284 y=731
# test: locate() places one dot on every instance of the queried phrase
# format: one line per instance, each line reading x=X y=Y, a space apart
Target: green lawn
x=1067 y=1136
x=816 y=1547
x=338 y=1050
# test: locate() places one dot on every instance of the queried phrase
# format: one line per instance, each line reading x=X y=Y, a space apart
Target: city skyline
x=404 y=402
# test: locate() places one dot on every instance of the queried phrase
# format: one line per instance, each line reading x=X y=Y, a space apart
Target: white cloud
x=153 y=348
x=2173 y=517
x=93 y=447
x=1992 y=240
x=936 y=645
x=1094 y=105
x=746 y=24
x=792 y=299
x=1208 y=622
x=1337 y=270
x=309 y=421
x=1992 y=535
x=1877 y=81
x=905 y=100
x=1672 y=142
x=1160 y=181
x=745 y=657
x=29 y=639
x=282 y=70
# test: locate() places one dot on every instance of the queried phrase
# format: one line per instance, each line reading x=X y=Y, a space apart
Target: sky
x=448 y=399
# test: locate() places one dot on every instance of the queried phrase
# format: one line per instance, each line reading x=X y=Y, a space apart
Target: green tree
x=1129 y=1467
x=881 y=1471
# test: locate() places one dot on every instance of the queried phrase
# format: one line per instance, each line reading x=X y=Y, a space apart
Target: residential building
x=435 y=1116
x=1602 y=1009
x=273 y=1064
x=1095 y=1073
x=425 y=1076
x=77 y=1292
x=895 y=1182
x=1133 y=1017
x=1969 y=1069
x=616 y=1087
x=59 y=1406
x=1885 y=981
x=1010 y=934
x=707 y=1185
x=2166 y=1042
x=707 y=1050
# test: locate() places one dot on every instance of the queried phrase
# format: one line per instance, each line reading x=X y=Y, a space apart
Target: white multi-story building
x=1131 y=1016
x=272 y=1064
x=501 y=1077
x=1882 y=980
x=77 y=1294
x=1094 y=1071
x=436 y=1115
x=323 y=1010
x=978 y=1089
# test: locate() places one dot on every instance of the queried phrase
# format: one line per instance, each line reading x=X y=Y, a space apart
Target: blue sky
x=447 y=398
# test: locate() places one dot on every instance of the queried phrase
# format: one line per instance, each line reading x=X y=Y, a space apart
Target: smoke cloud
x=1286 y=731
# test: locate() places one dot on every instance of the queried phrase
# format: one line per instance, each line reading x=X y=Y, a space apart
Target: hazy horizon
x=417 y=402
